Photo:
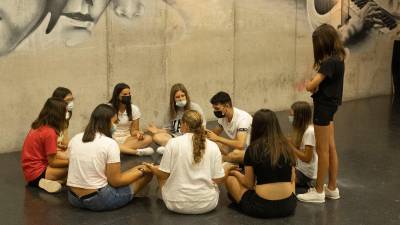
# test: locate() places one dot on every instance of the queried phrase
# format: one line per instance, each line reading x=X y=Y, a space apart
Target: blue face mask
x=113 y=129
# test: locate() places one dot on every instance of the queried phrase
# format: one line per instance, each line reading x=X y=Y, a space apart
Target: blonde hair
x=195 y=125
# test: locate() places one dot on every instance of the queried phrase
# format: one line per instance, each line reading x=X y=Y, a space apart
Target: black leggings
x=253 y=205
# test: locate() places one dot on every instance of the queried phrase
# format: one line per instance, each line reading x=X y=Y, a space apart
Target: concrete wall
x=257 y=50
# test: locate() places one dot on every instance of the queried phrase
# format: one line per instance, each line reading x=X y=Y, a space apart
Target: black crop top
x=263 y=171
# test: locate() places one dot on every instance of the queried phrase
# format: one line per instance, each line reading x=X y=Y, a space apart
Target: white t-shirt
x=188 y=181
x=124 y=125
x=87 y=162
x=174 y=125
x=241 y=122
x=308 y=169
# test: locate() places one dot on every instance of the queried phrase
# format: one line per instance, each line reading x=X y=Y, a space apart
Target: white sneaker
x=312 y=196
x=332 y=194
x=145 y=151
x=161 y=150
x=50 y=186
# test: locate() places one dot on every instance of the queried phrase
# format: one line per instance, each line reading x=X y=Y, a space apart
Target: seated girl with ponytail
x=190 y=169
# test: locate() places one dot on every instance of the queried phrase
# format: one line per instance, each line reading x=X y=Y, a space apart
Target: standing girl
x=128 y=135
x=327 y=89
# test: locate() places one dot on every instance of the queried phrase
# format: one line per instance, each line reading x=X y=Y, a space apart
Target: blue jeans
x=106 y=198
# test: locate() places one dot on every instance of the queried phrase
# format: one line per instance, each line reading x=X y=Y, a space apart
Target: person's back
x=189 y=181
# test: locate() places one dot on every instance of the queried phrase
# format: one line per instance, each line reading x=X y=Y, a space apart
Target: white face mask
x=67 y=115
x=181 y=103
x=291 y=119
x=70 y=106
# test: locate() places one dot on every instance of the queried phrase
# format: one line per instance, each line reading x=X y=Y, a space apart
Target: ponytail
x=195 y=124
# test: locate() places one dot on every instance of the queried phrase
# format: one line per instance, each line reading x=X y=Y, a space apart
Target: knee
x=147 y=139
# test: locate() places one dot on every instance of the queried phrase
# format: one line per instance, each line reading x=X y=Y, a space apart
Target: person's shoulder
x=310 y=129
x=194 y=105
x=134 y=107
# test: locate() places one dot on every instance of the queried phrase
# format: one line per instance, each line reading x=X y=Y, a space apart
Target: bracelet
x=141 y=170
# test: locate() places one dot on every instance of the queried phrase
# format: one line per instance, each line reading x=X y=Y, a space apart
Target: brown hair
x=195 y=124
x=52 y=115
x=172 y=106
x=326 y=43
x=267 y=142
x=302 y=116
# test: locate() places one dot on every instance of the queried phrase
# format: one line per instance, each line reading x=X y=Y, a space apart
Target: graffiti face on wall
x=14 y=25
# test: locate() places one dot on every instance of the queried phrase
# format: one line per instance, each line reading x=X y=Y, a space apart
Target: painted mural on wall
x=355 y=19
x=73 y=19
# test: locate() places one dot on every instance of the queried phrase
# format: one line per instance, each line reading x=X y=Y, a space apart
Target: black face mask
x=219 y=114
x=126 y=100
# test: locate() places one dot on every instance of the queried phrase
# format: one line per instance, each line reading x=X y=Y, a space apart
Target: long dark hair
x=100 y=121
x=62 y=92
x=268 y=141
x=115 y=99
x=52 y=115
x=302 y=118
x=172 y=106
x=326 y=43
x=195 y=124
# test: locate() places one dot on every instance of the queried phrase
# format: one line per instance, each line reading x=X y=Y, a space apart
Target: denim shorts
x=106 y=198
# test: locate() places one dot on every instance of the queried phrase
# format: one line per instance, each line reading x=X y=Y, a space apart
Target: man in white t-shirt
x=235 y=122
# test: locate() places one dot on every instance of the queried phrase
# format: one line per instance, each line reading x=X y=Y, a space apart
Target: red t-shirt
x=38 y=144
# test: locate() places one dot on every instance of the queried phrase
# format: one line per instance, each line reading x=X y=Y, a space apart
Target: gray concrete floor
x=368 y=141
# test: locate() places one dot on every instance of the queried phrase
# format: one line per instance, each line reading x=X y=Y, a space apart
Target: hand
x=144 y=169
x=212 y=136
x=153 y=168
x=229 y=166
x=139 y=135
x=62 y=146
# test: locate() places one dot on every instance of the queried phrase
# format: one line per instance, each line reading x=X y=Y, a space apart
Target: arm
x=247 y=179
x=56 y=162
x=227 y=168
x=305 y=155
x=135 y=132
x=217 y=130
x=156 y=171
x=155 y=130
x=237 y=143
x=312 y=85
x=117 y=179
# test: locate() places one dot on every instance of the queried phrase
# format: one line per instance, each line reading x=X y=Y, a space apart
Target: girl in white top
x=190 y=169
x=303 y=143
x=128 y=135
x=94 y=174
x=63 y=138
x=179 y=102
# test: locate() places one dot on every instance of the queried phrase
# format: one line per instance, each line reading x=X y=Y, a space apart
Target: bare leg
x=322 y=142
x=56 y=174
x=333 y=159
x=131 y=144
x=161 y=138
x=235 y=188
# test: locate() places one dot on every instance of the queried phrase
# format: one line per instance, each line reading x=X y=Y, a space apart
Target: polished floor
x=368 y=141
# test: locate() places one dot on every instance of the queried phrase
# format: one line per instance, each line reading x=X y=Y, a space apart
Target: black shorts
x=323 y=113
x=253 y=205
x=35 y=182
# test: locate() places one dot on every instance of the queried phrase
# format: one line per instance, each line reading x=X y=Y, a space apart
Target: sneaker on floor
x=50 y=186
x=161 y=150
x=145 y=151
x=312 y=196
x=332 y=194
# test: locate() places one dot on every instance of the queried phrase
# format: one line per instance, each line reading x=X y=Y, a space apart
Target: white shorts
x=193 y=207
x=121 y=139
